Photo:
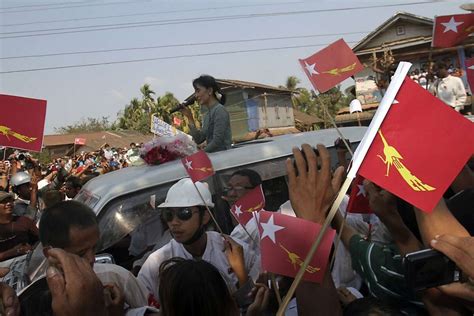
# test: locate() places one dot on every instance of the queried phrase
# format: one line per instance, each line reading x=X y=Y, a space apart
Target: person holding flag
x=215 y=131
x=186 y=217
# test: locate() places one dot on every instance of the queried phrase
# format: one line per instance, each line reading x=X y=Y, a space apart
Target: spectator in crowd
x=186 y=216
x=448 y=89
x=72 y=186
x=17 y=233
x=72 y=226
x=26 y=188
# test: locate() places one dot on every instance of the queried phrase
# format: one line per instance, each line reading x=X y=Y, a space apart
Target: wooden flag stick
x=275 y=288
x=333 y=122
x=207 y=208
x=314 y=247
x=243 y=226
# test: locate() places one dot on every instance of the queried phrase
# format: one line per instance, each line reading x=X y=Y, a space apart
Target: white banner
x=161 y=128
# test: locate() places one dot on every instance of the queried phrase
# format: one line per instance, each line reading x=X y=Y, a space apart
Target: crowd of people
x=189 y=268
x=203 y=272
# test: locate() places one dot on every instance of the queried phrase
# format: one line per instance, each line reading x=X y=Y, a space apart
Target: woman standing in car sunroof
x=216 y=123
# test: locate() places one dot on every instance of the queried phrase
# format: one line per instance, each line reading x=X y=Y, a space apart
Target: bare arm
x=439 y=222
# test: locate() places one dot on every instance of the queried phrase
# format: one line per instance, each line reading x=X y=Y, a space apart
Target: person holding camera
x=215 y=131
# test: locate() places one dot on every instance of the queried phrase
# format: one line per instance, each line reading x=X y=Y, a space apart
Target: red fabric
x=470 y=72
x=358 y=201
x=253 y=201
x=450 y=30
x=198 y=166
x=22 y=122
x=293 y=238
x=79 y=141
x=428 y=143
x=332 y=65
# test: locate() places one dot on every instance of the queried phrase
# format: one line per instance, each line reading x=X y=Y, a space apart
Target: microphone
x=183 y=105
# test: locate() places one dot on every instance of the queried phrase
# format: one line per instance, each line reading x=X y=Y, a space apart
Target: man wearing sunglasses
x=185 y=214
x=240 y=183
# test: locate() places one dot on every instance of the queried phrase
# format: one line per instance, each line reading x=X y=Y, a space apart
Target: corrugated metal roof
x=344 y=118
x=306 y=118
x=248 y=84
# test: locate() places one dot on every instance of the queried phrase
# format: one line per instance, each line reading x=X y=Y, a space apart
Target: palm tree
x=147 y=97
x=292 y=82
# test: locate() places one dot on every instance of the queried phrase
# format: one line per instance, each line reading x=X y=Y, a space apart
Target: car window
x=122 y=215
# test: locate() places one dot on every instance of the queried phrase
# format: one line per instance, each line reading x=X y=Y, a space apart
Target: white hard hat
x=20 y=178
x=184 y=194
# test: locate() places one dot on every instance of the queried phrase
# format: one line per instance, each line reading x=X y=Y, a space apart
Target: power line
x=39 y=5
x=179 y=45
x=103 y=27
x=78 y=6
x=162 y=58
x=154 y=13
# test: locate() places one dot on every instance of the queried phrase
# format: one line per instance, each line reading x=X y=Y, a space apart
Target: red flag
x=450 y=30
x=420 y=147
x=253 y=201
x=285 y=241
x=198 y=166
x=470 y=72
x=331 y=65
x=177 y=121
x=358 y=201
x=79 y=141
x=22 y=122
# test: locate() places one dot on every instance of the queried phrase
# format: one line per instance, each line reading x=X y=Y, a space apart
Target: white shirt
x=136 y=294
x=213 y=254
x=253 y=241
x=450 y=90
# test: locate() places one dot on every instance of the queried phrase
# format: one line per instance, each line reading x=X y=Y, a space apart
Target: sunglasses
x=229 y=189
x=182 y=214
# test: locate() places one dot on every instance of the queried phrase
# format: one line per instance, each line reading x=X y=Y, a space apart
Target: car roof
x=131 y=179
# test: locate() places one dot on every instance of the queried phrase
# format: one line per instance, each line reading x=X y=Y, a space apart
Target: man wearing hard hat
x=185 y=214
x=26 y=190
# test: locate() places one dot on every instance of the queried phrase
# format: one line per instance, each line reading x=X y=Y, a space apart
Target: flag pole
x=333 y=122
x=207 y=208
x=362 y=149
x=275 y=288
x=4 y=152
x=243 y=226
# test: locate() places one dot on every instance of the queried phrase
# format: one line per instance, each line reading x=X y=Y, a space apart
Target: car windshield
x=124 y=214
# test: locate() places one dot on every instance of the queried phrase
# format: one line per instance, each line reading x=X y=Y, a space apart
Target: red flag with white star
x=198 y=166
x=470 y=72
x=251 y=202
x=358 y=201
x=22 y=122
x=420 y=147
x=79 y=141
x=450 y=30
x=331 y=65
x=285 y=241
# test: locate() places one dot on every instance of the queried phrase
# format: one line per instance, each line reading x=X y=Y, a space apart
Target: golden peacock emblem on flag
x=394 y=158
x=295 y=260
x=339 y=71
x=7 y=131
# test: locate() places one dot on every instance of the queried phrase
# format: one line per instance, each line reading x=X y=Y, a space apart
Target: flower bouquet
x=167 y=148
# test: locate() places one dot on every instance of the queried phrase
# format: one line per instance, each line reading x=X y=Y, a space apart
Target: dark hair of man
x=207 y=82
x=51 y=197
x=253 y=176
x=193 y=287
x=57 y=221
x=371 y=306
x=441 y=65
x=75 y=182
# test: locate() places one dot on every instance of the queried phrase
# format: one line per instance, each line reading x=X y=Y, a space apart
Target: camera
x=429 y=268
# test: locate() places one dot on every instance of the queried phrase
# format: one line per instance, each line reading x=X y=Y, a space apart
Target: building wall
x=390 y=35
x=277 y=113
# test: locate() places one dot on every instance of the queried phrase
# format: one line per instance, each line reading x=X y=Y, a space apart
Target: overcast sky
x=51 y=27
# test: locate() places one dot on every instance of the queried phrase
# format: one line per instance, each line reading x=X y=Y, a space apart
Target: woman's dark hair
x=193 y=287
x=207 y=82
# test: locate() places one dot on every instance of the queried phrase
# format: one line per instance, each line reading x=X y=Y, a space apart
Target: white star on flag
x=311 y=69
x=395 y=102
x=361 y=190
x=452 y=25
x=189 y=164
x=471 y=67
x=237 y=210
x=269 y=229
